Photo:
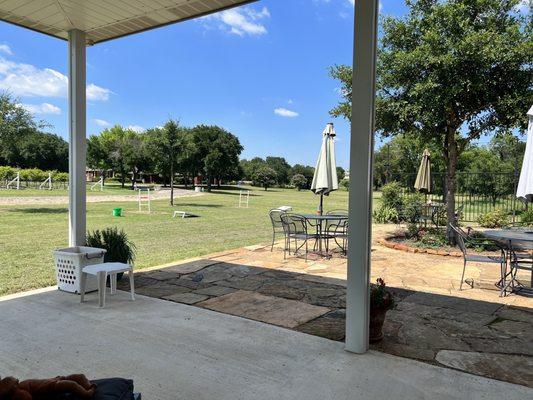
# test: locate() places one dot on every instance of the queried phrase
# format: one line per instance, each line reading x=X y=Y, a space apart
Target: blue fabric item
x=113 y=389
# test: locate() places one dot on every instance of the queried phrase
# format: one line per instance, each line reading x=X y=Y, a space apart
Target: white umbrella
x=325 y=178
x=525 y=184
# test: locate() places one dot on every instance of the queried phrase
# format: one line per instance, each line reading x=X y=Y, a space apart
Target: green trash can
x=117 y=212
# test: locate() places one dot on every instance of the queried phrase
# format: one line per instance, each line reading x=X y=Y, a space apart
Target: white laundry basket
x=69 y=264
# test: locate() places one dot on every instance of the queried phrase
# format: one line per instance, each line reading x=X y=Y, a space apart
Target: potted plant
x=116 y=242
x=381 y=301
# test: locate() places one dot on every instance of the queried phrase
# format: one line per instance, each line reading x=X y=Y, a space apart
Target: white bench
x=101 y=271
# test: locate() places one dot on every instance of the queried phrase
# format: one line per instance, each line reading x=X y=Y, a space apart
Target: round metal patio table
x=512 y=239
x=321 y=219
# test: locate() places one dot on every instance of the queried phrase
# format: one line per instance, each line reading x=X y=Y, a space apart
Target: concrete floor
x=174 y=351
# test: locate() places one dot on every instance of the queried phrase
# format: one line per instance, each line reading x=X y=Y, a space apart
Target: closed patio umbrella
x=524 y=190
x=423 y=178
x=325 y=178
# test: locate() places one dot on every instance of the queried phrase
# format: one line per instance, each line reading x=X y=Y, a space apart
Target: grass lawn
x=109 y=189
x=28 y=234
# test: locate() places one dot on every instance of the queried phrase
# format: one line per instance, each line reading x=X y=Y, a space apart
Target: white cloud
x=101 y=122
x=4 y=48
x=241 y=21
x=44 y=108
x=97 y=93
x=30 y=81
x=135 y=128
x=283 y=112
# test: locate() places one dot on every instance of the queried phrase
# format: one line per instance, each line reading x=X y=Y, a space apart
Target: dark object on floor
x=113 y=389
x=60 y=386
x=197 y=277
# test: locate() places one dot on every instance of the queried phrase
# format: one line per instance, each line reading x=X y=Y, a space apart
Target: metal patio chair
x=462 y=238
x=296 y=230
x=337 y=230
x=277 y=224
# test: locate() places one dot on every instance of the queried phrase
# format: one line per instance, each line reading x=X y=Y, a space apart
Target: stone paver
x=273 y=310
x=497 y=366
x=186 y=298
x=431 y=316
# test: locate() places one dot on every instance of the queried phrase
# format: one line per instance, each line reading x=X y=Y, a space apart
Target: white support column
x=77 y=137
x=360 y=196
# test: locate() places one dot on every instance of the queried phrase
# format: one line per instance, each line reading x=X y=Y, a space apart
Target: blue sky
x=260 y=71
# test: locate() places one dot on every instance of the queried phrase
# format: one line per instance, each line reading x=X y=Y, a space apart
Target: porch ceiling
x=103 y=20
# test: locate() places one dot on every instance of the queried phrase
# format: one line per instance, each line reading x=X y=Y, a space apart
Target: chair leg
x=273 y=240
x=113 y=283
x=102 y=278
x=132 y=284
x=83 y=284
x=463 y=276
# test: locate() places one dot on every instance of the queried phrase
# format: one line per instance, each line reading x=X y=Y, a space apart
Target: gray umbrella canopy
x=525 y=184
x=423 y=178
x=325 y=178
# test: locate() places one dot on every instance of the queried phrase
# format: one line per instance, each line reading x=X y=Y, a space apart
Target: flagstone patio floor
x=472 y=330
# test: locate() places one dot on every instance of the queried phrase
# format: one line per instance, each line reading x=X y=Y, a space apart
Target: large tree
x=216 y=153
x=449 y=72
x=166 y=145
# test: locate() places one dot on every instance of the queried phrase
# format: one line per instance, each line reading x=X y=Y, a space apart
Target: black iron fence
x=476 y=193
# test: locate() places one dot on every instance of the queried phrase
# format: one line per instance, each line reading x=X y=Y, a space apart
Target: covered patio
x=177 y=351
x=96 y=22
x=179 y=340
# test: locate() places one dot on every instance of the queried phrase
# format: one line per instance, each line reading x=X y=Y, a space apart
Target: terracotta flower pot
x=377 y=318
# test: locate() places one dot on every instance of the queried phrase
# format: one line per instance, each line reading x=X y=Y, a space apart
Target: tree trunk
x=133 y=180
x=122 y=178
x=209 y=179
x=171 y=184
x=451 y=156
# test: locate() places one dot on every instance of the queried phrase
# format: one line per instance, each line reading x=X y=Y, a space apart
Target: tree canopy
x=449 y=72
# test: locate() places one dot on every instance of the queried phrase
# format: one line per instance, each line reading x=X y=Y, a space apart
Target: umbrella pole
x=321 y=207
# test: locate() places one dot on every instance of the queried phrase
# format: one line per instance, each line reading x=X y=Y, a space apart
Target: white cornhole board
x=183 y=214
x=285 y=208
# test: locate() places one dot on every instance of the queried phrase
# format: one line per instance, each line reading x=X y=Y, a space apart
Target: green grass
x=109 y=189
x=28 y=234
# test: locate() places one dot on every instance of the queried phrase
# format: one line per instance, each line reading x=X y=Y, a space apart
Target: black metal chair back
x=275 y=218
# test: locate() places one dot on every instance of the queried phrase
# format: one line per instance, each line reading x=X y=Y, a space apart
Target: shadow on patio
x=480 y=336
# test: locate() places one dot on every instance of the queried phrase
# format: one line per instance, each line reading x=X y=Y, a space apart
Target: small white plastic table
x=101 y=271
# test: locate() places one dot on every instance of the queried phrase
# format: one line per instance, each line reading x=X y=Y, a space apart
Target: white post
x=360 y=196
x=77 y=136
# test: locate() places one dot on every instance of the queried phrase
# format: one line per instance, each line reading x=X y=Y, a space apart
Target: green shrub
x=432 y=238
x=526 y=217
x=345 y=183
x=119 y=247
x=493 y=219
x=7 y=173
x=61 y=177
x=386 y=214
x=33 y=175
x=412 y=208
x=299 y=181
x=391 y=196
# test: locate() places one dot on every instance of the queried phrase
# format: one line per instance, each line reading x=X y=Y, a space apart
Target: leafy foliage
x=391 y=196
x=385 y=214
x=380 y=297
x=265 y=177
x=493 y=219
x=440 y=75
x=299 y=181
x=119 y=247
x=345 y=183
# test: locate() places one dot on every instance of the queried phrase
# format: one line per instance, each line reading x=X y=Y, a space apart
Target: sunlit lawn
x=28 y=234
x=109 y=189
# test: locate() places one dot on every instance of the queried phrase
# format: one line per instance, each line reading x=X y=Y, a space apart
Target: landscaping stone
x=273 y=310
x=251 y=282
x=215 y=290
x=193 y=266
x=161 y=274
x=516 y=314
x=186 y=298
x=331 y=325
x=496 y=366
x=161 y=290
x=188 y=283
x=456 y=303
